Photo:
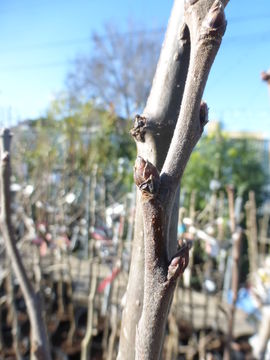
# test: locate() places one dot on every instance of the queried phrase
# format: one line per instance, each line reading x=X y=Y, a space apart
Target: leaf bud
x=139 y=128
x=146 y=175
x=215 y=19
x=203 y=113
x=265 y=75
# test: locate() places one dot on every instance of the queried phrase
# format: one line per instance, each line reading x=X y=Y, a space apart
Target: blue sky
x=40 y=39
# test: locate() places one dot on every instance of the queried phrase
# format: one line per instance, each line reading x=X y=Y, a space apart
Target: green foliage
x=229 y=161
x=75 y=137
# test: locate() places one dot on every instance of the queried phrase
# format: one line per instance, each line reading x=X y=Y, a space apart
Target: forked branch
x=204 y=26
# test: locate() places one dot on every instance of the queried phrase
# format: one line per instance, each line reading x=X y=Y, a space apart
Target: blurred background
x=72 y=76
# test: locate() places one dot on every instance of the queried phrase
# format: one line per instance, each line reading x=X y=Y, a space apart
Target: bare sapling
x=90 y=215
x=39 y=341
x=166 y=133
x=237 y=234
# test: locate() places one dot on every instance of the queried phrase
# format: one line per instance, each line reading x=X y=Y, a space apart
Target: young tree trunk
x=87 y=340
x=171 y=70
x=166 y=134
x=39 y=342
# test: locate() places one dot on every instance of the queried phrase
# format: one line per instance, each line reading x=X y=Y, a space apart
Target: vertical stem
x=60 y=295
x=39 y=342
x=91 y=199
x=190 y=294
x=107 y=298
x=134 y=294
x=237 y=241
x=86 y=343
x=263 y=235
x=131 y=217
x=230 y=193
x=263 y=335
x=162 y=108
x=93 y=196
x=173 y=335
x=114 y=324
x=102 y=201
x=71 y=310
x=87 y=215
x=1 y=326
x=192 y=204
x=252 y=233
x=220 y=226
x=15 y=325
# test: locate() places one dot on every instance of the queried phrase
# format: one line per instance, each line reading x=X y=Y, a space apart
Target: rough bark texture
x=134 y=293
x=39 y=342
x=161 y=118
x=166 y=133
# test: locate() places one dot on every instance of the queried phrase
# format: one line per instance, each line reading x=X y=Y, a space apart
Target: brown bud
x=139 y=170
x=215 y=19
x=139 y=120
x=184 y=33
x=174 y=261
x=203 y=113
x=265 y=75
x=146 y=175
x=179 y=263
x=139 y=128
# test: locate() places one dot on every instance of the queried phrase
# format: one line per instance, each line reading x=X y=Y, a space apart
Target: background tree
x=228 y=161
x=70 y=141
x=119 y=70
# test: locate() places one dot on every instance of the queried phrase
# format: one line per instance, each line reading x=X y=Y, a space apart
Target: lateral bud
x=265 y=76
x=179 y=263
x=139 y=129
x=203 y=114
x=215 y=19
x=184 y=36
x=146 y=176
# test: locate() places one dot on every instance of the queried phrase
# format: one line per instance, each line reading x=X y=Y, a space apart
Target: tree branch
x=167 y=88
x=193 y=37
x=160 y=273
x=159 y=114
x=206 y=24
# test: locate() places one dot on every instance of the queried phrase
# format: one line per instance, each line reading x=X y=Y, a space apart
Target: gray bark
x=160 y=110
x=166 y=133
x=39 y=341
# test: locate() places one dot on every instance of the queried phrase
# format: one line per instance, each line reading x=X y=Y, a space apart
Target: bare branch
x=193 y=37
x=205 y=26
x=165 y=98
x=159 y=114
x=39 y=341
x=206 y=32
